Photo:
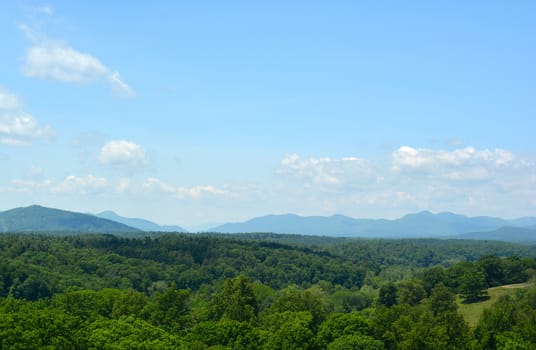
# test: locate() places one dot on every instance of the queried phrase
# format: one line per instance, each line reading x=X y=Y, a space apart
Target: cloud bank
x=467 y=180
x=463 y=180
x=101 y=186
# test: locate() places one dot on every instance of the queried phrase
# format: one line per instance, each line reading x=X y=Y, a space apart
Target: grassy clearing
x=471 y=312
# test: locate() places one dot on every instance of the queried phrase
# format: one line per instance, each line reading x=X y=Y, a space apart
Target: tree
x=442 y=300
x=341 y=324
x=494 y=269
x=236 y=300
x=356 y=342
x=387 y=295
x=294 y=299
x=290 y=330
x=171 y=309
x=472 y=284
x=410 y=292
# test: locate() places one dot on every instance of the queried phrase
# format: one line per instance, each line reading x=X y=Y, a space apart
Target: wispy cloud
x=45 y=9
x=55 y=60
x=81 y=185
x=18 y=128
x=98 y=185
x=327 y=173
x=156 y=185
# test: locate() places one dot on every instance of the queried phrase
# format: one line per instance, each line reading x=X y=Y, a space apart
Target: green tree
x=171 y=309
x=387 y=296
x=356 y=342
x=236 y=300
x=290 y=330
x=342 y=324
x=294 y=299
x=472 y=284
x=431 y=277
x=494 y=269
x=442 y=299
x=410 y=292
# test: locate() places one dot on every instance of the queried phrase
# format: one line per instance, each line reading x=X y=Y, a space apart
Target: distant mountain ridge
x=419 y=225
x=422 y=224
x=506 y=233
x=36 y=218
x=142 y=224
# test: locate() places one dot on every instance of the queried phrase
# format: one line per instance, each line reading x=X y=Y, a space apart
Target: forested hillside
x=259 y=292
x=36 y=218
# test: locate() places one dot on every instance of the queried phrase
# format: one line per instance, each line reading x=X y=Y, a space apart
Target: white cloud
x=8 y=101
x=59 y=62
x=123 y=153
x=119 y=85
x=199 y=191
x=81 y=185
x=468 y=180
x=327 y=172
x=460 y=164
x=93 y=185
x=18 y=128
x=54 y=60
x=152 y=185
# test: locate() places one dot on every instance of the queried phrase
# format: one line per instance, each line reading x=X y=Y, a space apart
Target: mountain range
x=423 y=224
x=419 y=225
x=141 y=224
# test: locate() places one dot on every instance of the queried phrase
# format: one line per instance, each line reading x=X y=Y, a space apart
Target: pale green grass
x=471 y=312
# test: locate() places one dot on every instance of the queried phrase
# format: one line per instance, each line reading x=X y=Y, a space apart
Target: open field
x=471 y=312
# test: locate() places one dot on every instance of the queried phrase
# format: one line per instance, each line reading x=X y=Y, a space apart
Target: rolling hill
x=36 y=218
x=142 y=224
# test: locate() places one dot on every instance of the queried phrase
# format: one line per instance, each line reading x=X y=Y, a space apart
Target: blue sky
x=199 y=112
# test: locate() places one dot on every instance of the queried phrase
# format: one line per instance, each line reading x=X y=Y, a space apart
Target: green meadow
x=472 y=311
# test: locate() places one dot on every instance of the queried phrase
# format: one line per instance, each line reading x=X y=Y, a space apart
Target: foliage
x=219 y=292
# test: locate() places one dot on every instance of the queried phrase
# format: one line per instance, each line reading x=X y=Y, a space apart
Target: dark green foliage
x=218 y=292
x=410 y=292
x=472 y=284
x=494 y=269
x=356 y=342
x=235 y=301
x=442 y=300
x=509 y=323
x=341 y=325
x=295 y=300
x=225 y=333
x=171 y=309
x=388 y=294
x=290 y=330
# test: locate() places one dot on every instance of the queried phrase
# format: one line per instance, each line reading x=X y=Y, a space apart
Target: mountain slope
x=423 y=224
x=36 y=218
x=142 y=224
x=336 y=225
x=506 y=234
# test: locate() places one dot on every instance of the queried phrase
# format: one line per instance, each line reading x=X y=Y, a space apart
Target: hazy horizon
x=190 y=113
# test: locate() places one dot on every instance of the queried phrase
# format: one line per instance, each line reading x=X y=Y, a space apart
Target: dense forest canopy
x=259 y=291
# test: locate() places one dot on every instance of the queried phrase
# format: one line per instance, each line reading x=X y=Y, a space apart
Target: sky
x=203 y=112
